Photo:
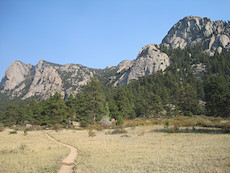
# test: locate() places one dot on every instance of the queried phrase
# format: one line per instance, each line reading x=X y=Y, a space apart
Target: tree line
x=174 y=92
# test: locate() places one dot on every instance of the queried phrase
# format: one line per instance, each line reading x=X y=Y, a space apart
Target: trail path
x=68 y=164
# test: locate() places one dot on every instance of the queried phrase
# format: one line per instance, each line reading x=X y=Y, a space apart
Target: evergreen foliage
x=176 y=91
x=91 y=102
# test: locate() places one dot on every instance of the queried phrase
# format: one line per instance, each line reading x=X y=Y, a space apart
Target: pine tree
x=187 y=100
x=56 y=109
x=113 y=108
x=11 y=114
x=93 y=101
x=71 y=106
x=217 y=95
x=125 y=106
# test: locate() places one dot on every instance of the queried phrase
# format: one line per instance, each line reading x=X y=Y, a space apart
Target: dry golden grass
x=31 y=153
x=143 y=149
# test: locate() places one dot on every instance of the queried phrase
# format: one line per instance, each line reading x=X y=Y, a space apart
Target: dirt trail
x=68 y=164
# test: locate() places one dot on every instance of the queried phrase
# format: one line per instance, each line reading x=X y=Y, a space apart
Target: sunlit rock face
x=192 y=30
x=148 y=61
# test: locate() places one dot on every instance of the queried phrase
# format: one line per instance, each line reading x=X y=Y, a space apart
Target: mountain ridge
x=46 y=78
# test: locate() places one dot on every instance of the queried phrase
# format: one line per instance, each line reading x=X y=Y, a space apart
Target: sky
x=94 y=33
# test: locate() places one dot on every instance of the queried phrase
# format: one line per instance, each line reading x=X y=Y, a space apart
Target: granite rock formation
x=192 y=30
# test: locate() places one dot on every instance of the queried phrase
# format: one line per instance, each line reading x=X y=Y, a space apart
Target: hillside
x=43 y=80
x=169 y=79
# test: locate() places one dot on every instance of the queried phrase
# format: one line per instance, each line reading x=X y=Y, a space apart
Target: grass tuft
x=91 y=133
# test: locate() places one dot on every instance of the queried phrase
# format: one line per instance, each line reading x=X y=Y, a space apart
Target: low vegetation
x=175 y=92
x=33 y=152
x=171 y=121
x=146 y=148
x=179 y=144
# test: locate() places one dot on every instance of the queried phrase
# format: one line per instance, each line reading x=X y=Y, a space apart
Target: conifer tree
x=217 y=95
x=125 y=106
x=187 y=100
x=56 y=109
x=92 y=101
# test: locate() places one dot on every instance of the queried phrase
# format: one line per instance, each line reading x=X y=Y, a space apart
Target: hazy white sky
x=94 y=33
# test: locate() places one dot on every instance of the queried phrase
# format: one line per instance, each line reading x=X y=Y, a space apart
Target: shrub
x=57 y=127
x=226 y=127
x=166 y=125
x=91 y=133
x=120 y=121
x=2 y=129
x=130 y=123
x=25 y=132
x=13 y=132
x=98 y=127
x=84 y=124
x=119 y=131
x=174 y=129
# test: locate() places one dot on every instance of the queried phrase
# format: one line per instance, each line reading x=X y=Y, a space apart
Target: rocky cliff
x=192 y=30
x=148 y=61
x=44 y=79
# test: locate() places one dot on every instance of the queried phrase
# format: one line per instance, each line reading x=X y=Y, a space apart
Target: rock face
x=15 y=74
x=193 y=30
x=199 y=70
x=148 y=61
x=46 y=82
x=16 y=79
x=44 y=79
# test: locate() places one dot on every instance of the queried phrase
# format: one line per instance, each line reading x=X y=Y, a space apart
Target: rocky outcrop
x=148 y=61
x=74 y=76
x=44 y=79
x=15 y=75
x=199 y=70
x=193 y=30
x=46 y=82
x=16 y=79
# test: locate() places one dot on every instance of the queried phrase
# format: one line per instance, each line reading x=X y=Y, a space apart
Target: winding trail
x=68 y=164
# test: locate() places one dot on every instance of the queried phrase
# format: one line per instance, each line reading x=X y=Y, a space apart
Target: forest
x=173 y=92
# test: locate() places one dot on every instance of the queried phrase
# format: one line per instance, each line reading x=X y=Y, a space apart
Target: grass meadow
x=142 y=149
x=146 y=149
x=33 y=152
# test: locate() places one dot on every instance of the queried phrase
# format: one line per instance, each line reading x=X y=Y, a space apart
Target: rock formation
x=192 y=30
x=148 y=61
x=15 y=74
x=46 y=82
x=44 y=79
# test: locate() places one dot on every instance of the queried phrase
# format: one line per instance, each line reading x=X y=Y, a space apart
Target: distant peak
x=197 y=18
x=192 y=17
x=39 y=65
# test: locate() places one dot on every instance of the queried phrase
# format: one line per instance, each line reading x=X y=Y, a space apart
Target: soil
x=68 y=164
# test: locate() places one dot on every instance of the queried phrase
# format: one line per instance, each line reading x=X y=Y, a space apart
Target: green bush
x=13 y=132
x=25 y=132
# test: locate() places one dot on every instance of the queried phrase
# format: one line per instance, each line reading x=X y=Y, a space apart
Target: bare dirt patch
x=68 y=164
